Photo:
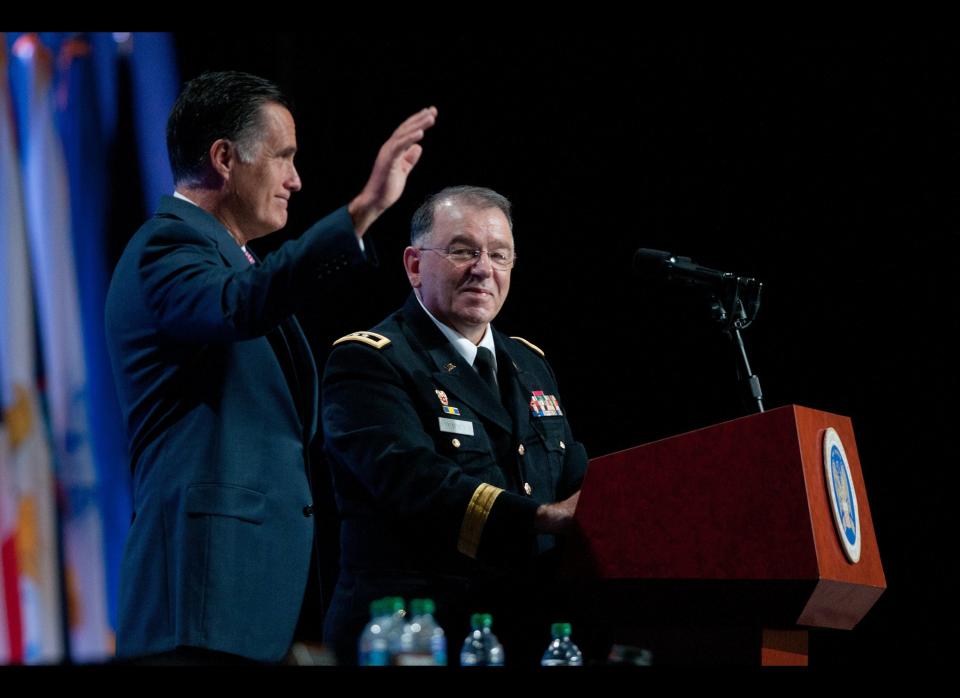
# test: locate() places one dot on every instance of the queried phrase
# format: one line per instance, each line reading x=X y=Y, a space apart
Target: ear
x=223 y=156
x=411 y=262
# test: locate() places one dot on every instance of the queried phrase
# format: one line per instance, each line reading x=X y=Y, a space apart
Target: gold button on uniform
x=527 y=488
x=521 y=450
x=456 y=443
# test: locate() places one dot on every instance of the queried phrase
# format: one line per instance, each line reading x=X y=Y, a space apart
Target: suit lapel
x=306 y=372
x=204 y=222
x=296 y=359
x=288 y=342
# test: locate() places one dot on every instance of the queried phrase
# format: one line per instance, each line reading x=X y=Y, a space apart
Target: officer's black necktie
x=484 y=365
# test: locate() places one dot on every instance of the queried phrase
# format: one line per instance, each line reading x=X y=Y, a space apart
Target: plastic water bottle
x=386 y=615
x=373 y=649
x=561 y=651
x=393 y=626
x=429 y=639
x=481 y=647
x=422 y=642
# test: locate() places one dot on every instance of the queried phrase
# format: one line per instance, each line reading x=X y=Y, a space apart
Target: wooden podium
x=732 y=525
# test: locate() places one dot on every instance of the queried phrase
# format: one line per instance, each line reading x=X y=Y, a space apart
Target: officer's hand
x=557 y=517
x=394 y=162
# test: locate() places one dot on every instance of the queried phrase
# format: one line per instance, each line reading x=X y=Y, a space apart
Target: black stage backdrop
x=826 y=168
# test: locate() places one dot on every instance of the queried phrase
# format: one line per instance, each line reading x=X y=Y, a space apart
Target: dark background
x=826 y=168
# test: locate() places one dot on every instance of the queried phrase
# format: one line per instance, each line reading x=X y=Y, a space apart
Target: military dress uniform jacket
x=218 y=389
x=435 y=476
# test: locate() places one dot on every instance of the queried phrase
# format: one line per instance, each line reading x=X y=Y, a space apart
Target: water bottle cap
x=422 y=607
x=394 y=604
x=560 y=630
x=481 y=620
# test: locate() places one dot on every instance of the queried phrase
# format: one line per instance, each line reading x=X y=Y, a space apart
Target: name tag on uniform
x=456 y=426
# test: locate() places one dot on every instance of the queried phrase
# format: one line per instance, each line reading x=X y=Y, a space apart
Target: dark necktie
x=484 y=365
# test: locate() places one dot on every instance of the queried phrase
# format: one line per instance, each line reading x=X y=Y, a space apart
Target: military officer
x=453 y=463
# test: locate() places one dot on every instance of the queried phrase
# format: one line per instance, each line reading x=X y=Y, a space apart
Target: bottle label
x=378 y=658
x=413 y=659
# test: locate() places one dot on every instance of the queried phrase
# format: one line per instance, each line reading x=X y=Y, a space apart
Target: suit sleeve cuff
x=496 y=524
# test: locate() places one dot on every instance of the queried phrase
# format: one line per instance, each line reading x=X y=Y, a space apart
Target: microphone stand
x=734 y=316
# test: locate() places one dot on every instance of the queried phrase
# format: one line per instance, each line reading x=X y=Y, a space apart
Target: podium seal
x=843 y=498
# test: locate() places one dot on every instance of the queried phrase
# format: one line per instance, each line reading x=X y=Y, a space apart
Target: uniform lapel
x=517 y=398
x=450 y=369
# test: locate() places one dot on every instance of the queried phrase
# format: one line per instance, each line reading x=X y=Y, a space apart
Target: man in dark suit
x=216 y=380
x=453 y=462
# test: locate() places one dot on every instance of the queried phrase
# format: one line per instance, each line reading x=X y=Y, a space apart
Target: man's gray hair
x=476 y=197
x=226 y=104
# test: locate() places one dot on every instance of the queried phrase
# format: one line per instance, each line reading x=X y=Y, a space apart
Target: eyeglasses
x=502 y=259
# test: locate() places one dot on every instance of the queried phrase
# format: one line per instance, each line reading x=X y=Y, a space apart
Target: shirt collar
x=464 y=347
x=178 y=195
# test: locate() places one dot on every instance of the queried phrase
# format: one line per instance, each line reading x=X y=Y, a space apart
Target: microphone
x=735 y=300
x=665 y=266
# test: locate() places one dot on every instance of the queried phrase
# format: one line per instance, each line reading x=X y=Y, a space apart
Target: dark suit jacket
x=413 y=435
x=219 y=393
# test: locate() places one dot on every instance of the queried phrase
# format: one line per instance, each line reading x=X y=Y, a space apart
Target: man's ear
x=223 y=157
x=411 y=262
